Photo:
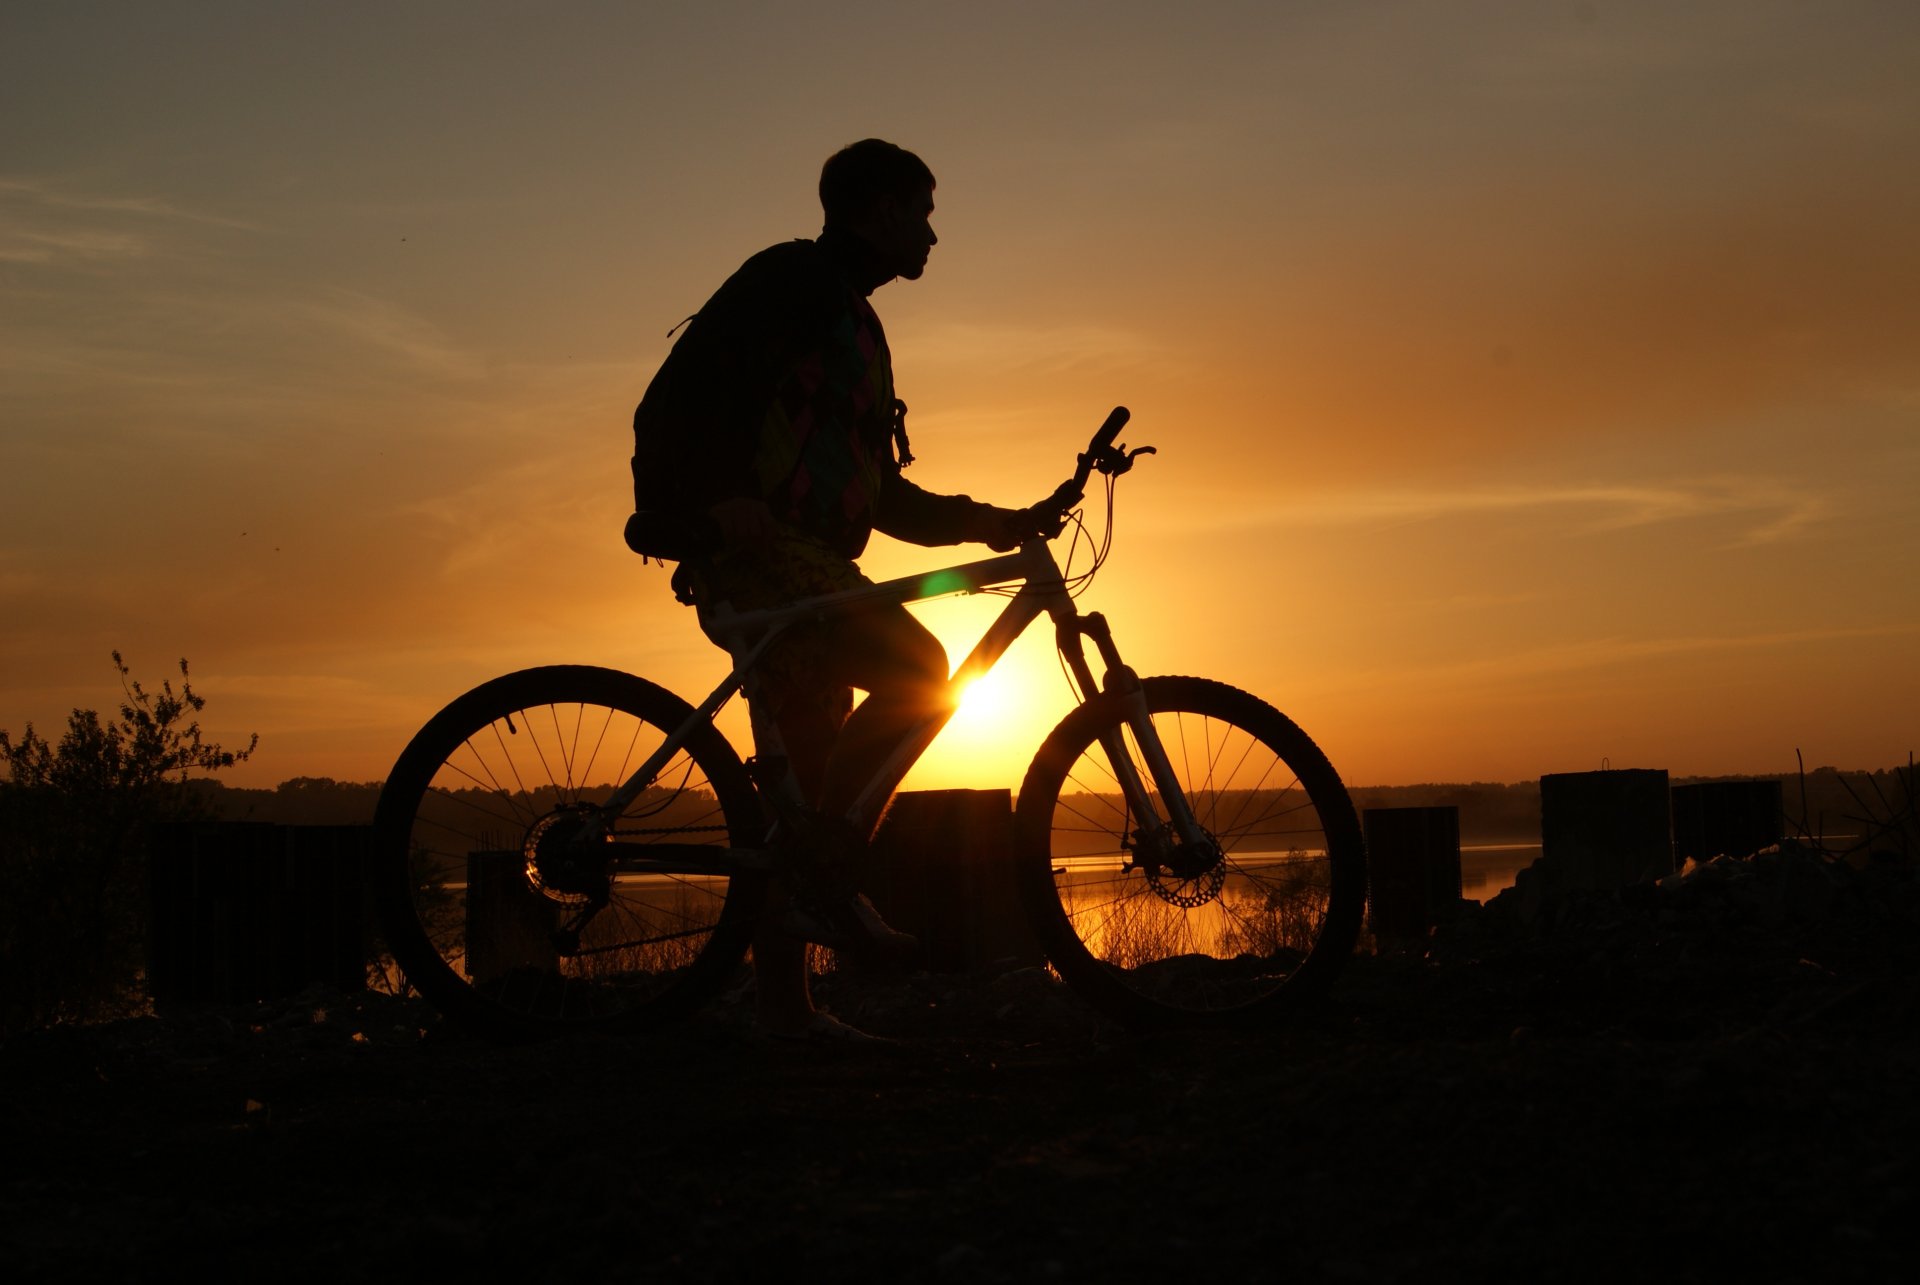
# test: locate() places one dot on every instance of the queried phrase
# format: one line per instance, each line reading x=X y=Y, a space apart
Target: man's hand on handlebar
x=1042 y=521
x=997 y=528
x=1005 y=529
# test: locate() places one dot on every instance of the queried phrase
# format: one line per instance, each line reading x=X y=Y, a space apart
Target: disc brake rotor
x=1187 y=893
x=1184 y=874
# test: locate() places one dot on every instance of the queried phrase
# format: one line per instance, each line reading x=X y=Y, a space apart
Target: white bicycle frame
x=1043 y=590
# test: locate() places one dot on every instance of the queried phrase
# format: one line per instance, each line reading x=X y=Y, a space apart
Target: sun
x=1001 y=720
x=987 y=703
x=1004 y=715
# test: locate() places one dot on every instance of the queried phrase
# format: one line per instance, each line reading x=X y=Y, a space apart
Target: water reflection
x=1262 y=904
x=1489 y=869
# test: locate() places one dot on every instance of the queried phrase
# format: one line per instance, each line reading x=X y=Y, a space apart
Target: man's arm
x=907 y=512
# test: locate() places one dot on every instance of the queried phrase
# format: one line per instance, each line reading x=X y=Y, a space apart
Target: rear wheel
x=506 y=899
x=1241 y=924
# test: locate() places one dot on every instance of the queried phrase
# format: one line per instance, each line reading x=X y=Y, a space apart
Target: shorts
x=802 y=666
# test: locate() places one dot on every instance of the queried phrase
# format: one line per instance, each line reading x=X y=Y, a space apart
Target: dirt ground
x=1699 y=1082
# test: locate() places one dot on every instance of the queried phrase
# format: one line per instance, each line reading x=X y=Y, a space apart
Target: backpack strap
x=902 y=452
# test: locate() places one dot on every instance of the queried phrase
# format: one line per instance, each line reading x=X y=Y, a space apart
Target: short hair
x=861 y=173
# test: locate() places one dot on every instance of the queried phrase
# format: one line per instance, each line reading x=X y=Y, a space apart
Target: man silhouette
x=775 y=415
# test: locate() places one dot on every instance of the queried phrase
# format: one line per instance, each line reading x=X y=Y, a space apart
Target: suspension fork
x=1123 y=682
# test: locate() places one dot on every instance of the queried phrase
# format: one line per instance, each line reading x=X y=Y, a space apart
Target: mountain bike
x=571 y=847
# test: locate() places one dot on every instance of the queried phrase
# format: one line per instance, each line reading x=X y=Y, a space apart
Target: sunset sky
x=1536 y=385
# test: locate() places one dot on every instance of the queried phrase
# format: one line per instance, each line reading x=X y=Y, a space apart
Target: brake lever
x=1100 y=455
x=1118 y=460
x=1047 y=519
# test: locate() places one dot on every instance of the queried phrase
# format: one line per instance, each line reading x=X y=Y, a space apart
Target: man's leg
x=785 y=1005
x=903 y=669
x=809 y=701
x=814 y=738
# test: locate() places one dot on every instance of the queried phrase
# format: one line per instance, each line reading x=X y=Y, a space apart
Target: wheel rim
x=527 y=907
x=1216 y=925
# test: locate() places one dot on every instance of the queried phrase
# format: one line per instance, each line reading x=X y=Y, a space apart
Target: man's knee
x=897 y=658
x=927 y=659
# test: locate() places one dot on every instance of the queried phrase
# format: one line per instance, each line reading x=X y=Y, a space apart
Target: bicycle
x=571 y=847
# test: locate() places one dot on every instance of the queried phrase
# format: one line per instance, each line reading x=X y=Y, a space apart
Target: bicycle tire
x=476 y=887
x=1241 y=929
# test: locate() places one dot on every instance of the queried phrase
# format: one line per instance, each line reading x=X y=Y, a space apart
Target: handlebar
x=1102 y=455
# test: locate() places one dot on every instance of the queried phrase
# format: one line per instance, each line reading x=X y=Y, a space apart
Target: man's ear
x=882 y=212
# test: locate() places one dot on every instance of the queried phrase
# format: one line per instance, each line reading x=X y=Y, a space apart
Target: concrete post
x=247 y=910
x=1605 y=830
x=1413 y=869
x=941 y=870
x=1726 y=818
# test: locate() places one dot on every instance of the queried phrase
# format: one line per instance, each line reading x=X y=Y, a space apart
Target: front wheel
x=1239 y=922
x=513 y=902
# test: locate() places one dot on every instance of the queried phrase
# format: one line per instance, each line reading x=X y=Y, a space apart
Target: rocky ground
x=1702 y=1081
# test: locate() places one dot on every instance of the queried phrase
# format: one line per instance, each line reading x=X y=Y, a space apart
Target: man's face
x=902 y=232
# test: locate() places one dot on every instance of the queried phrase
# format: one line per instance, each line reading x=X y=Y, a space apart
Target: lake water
x=1489 y=869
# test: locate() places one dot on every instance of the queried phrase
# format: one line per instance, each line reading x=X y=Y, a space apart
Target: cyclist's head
x=884 y=195
x=862 y=174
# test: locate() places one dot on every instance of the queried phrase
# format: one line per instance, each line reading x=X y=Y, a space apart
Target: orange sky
x=1535 y=385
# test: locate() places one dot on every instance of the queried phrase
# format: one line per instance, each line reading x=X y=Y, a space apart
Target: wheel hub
x=567 y=857
x=1184 y=874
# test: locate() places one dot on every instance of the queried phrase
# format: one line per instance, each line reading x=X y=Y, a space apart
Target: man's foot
x=824 y=906
x=849 y=924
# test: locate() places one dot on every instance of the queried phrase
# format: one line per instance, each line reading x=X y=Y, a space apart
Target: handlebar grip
x=1110 y=430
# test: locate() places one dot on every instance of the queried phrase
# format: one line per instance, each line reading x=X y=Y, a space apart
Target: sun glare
x=1001 y=720
x=985 y=701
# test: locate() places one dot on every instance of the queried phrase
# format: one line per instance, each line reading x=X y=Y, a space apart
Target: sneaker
x=848 y=924
x=825 y=907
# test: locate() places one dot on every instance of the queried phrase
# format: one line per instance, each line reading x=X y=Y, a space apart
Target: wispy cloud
x=1060 y=348
x=1602 y=653
x=53 y=195
x=223 y=340
x=45 y=223
x=377 y=323
x=464 y=524
x=299 y=702
x=1771 y=511
x=44 y=245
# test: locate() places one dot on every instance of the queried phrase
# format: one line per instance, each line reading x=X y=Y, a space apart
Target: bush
x=74 y=819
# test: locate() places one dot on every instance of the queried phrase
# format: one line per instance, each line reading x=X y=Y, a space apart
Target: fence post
x=247 y=910
x=1413 y=871
x=940 y=868
x=509 y=926
x=1726 y=818
x=1604 y=830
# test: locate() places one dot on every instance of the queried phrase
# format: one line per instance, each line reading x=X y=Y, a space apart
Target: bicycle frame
x=1043 y=591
